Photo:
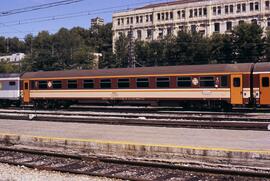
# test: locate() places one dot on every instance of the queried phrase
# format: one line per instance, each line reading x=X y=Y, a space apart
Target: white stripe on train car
x=133 y=93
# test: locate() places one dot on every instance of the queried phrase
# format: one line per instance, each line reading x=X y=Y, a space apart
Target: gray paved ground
x=231 y=139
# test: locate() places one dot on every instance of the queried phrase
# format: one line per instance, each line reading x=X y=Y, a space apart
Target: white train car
x=9 y=89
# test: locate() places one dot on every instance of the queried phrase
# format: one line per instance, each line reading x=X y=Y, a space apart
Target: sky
x=12 y=25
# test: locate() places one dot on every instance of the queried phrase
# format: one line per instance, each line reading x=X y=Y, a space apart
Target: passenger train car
x=9 y=89
x=200 y=86
x=192 y=86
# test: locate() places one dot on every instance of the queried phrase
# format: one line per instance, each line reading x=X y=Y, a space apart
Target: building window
x=179 y=14
x=205 y=11
x=231 y=8
x=158 y=16
x=57 y=84
x=268 y=22
x=254 y=21
x=183 y=14
x=193 y=28
x=169 y=31
x=162 y=16
x=149 y=33
x=118 y=22
x=267 y=5
x=207 y=82
x=127 y=20
x=184 y=81
x=139 y=34
x=131 y=20
x=229 y=26
x=217 y=27
x=163 y=82
x=72 y=84
x=137 y=19
x=238 y=8
x=160 y=33
x=191 y=13
x=88 y=84
x=214 y=10
x=146 y=18
x=151 y=17
x=257 y=6
x=141 y=19
x=200 y=12
x=142 y=83
x=171 y=15
x=244 y=7
x=195 y=12
x=43 y=84
x=123 y=83
x=265 y=81
x=122 y=21
x=105 y=84
x=167 y=15
x=251 y=6
x=219 y=9
x=181 y=28
x=241 y=22
x=226 y=9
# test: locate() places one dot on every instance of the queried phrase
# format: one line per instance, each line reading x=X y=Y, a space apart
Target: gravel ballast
x=18 y=173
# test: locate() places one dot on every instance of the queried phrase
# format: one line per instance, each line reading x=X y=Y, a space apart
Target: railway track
x=125 y=169
x=184 y=119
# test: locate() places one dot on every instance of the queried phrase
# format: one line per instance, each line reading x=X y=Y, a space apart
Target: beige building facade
x=155 y=21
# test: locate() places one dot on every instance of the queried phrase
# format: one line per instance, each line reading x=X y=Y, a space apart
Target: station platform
x=175 y=144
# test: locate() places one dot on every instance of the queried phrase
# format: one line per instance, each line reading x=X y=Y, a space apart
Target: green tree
x=248 y=42
x=221 y=48
x=121 y=52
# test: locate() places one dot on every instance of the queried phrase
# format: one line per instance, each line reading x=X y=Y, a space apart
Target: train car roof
x=165 y=70
x=9 y=75
x=262 y=67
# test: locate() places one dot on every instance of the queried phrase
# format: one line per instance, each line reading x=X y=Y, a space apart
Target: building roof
x=144 y=71
x=171 y=3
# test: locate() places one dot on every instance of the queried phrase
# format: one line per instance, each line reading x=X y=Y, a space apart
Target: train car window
x=163 y=82
x=142 y=83
x=207 y=82
x=123 y=83
x=26 y=86
x=88 y=84
x=12 y=83
x=72 y=84
x=184 y=81
x=236 y=82
x=265 y=81
x=57 y=84
x=33 y=85
x=224 y=81
x=43 y=84
x=105 y=84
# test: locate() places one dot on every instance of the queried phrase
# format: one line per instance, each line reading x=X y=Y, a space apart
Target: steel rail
x=245 y=172
x=144 y=120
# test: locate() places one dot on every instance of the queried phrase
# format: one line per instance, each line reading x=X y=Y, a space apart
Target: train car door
x=236 y=89
x=265 y=89
x=26 y=91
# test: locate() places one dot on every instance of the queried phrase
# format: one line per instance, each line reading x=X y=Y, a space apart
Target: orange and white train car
x=212 y=86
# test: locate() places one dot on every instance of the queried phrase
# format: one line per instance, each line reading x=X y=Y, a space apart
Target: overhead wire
x=38 y=7
x=77 y=14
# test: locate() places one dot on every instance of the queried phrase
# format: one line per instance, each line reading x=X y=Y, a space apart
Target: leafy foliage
x=74 y=48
